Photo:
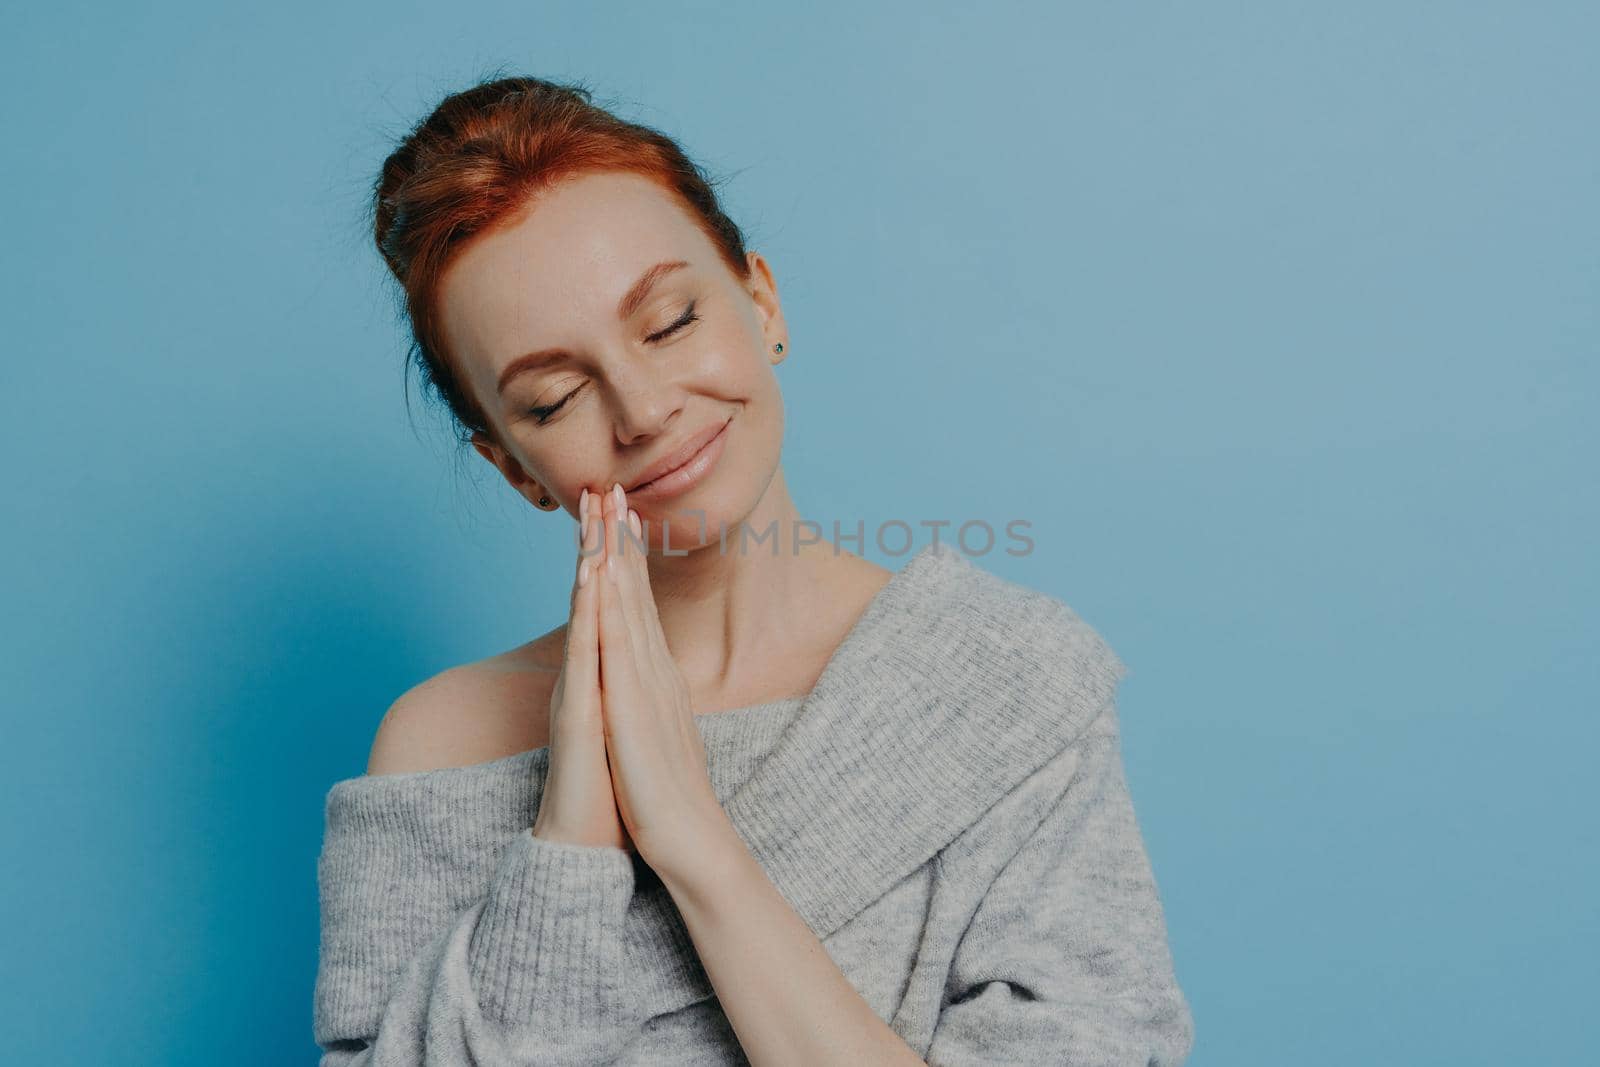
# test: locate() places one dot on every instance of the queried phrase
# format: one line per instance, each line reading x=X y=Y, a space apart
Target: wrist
x=704 y=870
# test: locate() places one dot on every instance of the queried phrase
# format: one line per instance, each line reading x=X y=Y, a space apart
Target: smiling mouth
x=709 y=441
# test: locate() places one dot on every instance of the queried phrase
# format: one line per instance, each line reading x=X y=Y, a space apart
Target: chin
x=694 y=520
x=702 y=517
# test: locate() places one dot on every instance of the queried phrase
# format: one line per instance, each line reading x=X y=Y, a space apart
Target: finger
x=589 y=548
x=590 y=543
x=645 y=611
x=581 y=664
x=616 y=644
x=633 y=581
x=578 y=570
x=593 y=545
x=586 y=550
x=583 y=521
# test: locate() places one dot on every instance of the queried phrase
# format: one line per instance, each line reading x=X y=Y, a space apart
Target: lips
x=678 y=456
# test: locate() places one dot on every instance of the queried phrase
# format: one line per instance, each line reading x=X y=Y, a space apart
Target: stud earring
x=778 y=348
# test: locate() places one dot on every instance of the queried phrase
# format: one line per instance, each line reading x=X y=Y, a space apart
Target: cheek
x=760 y=423
x=733 y=366
x=570 y=467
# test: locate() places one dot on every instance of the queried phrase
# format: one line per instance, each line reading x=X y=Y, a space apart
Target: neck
x=730 y=614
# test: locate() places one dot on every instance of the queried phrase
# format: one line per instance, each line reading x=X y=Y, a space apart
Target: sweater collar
x=951 y=688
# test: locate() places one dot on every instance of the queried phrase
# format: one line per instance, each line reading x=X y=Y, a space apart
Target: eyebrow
x=630 y=303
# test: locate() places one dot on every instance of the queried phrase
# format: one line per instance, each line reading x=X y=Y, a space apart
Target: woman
x=758 y=800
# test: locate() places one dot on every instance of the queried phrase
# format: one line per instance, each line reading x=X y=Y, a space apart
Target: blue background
x=1278 y=325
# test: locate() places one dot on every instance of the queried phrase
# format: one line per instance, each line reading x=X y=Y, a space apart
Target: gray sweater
x=946 y=809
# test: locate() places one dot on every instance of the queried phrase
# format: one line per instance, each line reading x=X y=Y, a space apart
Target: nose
x=645 y=405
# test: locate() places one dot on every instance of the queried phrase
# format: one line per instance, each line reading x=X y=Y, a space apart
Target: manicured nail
x=583 y=573
x=633 y=521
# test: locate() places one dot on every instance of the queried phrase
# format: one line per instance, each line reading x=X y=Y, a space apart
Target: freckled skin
x=744 y=627
x=679 y=635
x=553 y=279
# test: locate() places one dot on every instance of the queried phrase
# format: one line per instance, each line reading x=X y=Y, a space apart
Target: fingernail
x=633 y=521
x=583 y=573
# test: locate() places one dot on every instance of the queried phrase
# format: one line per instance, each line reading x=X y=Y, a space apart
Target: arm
x=786 y=999
x=450 y=934
x=529 y=973
x=1066 y=958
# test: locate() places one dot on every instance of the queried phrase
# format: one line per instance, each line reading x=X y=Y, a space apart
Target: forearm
x=786 y=999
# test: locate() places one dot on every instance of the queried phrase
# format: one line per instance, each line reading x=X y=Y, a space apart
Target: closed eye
x=542 y=414
x=685 y=319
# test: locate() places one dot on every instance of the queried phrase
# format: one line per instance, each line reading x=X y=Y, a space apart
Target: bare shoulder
x=471 y=713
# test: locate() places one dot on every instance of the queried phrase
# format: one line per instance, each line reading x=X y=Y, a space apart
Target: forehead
x=560 y=266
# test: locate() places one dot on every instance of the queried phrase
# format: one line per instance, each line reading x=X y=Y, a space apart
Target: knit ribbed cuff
x=547 y=950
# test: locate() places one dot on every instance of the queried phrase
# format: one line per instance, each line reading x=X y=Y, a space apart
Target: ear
x=510 y=470
x=764 y=293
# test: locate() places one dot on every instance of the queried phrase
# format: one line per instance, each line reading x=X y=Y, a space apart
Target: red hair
x=477 y=162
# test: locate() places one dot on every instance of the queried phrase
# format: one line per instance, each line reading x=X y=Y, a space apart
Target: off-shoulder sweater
x=946 y=809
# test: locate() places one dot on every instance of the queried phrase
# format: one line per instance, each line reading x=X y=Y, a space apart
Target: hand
x=658 y=761
x=578 y=806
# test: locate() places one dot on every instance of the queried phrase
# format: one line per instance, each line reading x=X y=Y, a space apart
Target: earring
x=544 y=502
x=778 y=348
